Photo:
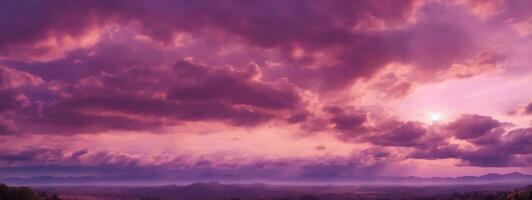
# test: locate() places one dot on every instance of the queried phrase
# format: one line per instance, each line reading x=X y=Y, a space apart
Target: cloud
x=4 y=130
x=482 y=140
x=528 y=109
x=30 y=155
x=401 y=134
x=498 y=149
x=124 y=67
x=472 y=126
x=8 y=100
x=348 y=121
x=119 y=81
x=45 y=30
x=518 y=141
x=77 y=154
x=50 y=157
x=185 y=92
x=295 y=21
x=51 y=28
x=198 y=83
x=352 y=50
x=101 y=164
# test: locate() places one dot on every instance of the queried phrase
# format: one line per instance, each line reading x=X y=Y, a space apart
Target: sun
x=435 y=117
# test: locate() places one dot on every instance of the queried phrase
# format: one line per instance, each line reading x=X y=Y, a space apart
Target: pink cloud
x=312 y=90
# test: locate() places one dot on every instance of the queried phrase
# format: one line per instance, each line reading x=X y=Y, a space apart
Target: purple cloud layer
x=70 y=68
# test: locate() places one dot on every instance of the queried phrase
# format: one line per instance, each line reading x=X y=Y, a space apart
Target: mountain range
x=492 y=178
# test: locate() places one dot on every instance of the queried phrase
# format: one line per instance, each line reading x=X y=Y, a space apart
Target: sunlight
x=435 y=117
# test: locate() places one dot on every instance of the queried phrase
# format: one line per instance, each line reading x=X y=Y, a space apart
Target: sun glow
x=435 y=117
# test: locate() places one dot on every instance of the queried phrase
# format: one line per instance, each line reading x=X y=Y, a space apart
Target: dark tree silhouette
x=17 y=193
x=24 y=193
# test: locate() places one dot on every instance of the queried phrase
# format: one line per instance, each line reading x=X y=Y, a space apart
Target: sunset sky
x=265 y=90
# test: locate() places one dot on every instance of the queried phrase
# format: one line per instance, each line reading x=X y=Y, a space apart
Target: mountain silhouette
x=514 y=177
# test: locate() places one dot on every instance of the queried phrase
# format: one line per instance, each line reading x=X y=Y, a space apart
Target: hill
x=521 y=194
x=23 y=193
x=218 y=191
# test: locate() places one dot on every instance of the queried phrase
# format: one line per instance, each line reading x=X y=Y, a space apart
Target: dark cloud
x=517 y=141
x=401 y=134
x=79 y=153
x=298 y=117
x=472 y=126
x=4 y=130
x=316 y=27
x=30 y=155
x=77 y=161
x=187 y=92
x=65 y=118
x=348 y=121
x=111 y=55
x=37 y=29
x=482 y=157
x=8 y=94
x=28 y=22
x=501 y=150
x=385 y=131
x=12 y=98
x=8 y=100
x=345 y=120
x=432 y=45
x=528 y=109
x=104 y=164
x=272 y=23
x=198 y=83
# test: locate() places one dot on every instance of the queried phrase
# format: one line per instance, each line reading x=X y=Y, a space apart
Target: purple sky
x=265 y=90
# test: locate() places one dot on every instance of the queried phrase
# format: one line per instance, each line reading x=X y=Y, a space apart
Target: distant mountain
x=517 y=178
x=209 y=190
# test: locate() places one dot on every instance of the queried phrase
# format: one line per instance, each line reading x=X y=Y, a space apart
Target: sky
x=265 y=90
